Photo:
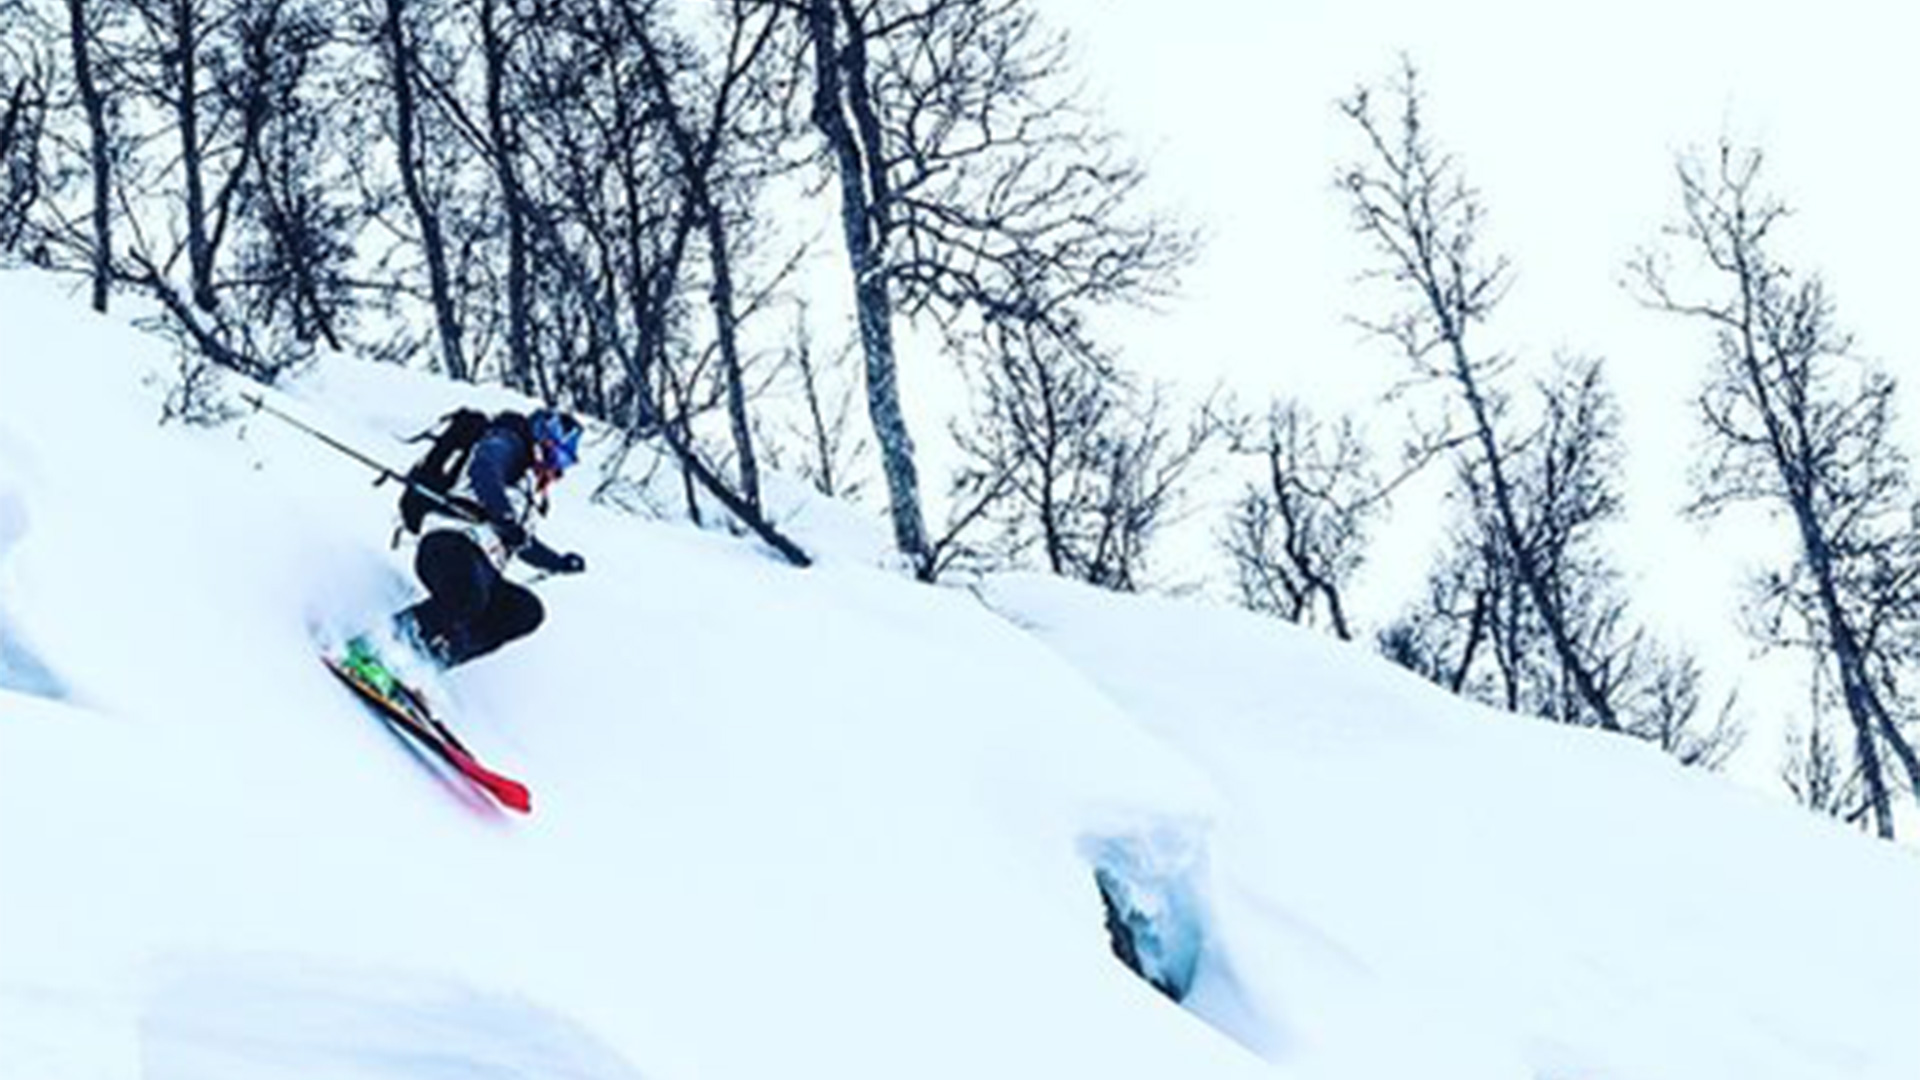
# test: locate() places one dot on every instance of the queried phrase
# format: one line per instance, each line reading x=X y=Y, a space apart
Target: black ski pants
x=470 y=609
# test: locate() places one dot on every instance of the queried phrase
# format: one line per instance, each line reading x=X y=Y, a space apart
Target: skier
x=471 y=608
x=480 y=483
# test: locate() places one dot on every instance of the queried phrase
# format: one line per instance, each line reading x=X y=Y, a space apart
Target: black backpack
x=442 y=466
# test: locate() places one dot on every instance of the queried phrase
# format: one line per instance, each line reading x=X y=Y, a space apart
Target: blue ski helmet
x=556 y=440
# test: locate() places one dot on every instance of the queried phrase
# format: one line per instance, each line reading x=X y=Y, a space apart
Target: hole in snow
x=1151 y=884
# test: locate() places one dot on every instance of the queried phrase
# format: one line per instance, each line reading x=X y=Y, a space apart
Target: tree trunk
x=862 y=208
x=192 y=159
x=726 y=324
x=1902 y=748
x=824 y=433
x=697 y=159
x=407 y=152
x=501 y=132
x=1524 y=564
x=1476 y=632
x=97 y=149
x=1855 y=682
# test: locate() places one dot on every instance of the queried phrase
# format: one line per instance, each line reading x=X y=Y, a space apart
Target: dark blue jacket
x=501 y=460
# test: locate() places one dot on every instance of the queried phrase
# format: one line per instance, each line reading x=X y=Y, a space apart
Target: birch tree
x=1797 y=423
x=973 y=191
x=1527 y=609
x=1424 y=223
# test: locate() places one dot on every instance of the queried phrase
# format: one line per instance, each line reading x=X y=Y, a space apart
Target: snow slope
x=811 y=823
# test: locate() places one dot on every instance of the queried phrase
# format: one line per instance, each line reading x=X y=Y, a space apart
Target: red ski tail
x=512 y=794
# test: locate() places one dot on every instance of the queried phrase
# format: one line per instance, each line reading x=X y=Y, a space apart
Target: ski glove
x=511 y=533
x=572 y=563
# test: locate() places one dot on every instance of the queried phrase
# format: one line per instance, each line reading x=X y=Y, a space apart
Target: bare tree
x=1441 y=638
x=1068 y=461
x=469 y=102
x=1565 y=488
x=1297 y=536
x=845 y=113
x=57 y=123
x=201 y=66
x=1822 y=775
x=499 y=33
x=698 y=143
x=834 y=451
x=1424 y=222
x=973 y=190
x=23 y=109
x=604 y=217
x=1798 y=423
x=1477 y=630
x=400 y=50
x=612 y=222
x=171 y=105
x=296 y=228
x=643 y=146
x=1667 y=713
x=567 y=197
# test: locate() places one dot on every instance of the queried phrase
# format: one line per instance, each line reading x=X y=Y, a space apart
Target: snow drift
x=813 y=823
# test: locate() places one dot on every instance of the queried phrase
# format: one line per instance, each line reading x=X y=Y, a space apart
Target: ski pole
x=259 y=403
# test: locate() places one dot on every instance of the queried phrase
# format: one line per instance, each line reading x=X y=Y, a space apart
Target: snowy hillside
x=820 y=823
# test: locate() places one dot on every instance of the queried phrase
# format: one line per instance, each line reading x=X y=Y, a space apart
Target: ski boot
x=434 y=649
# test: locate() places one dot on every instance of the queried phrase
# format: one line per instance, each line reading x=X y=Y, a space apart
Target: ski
x=430 y=733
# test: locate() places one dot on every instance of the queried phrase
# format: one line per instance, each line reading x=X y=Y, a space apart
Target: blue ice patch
x=1152 y=883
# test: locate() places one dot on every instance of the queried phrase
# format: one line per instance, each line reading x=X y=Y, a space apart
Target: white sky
x=1568 y=119
x=1567 y=122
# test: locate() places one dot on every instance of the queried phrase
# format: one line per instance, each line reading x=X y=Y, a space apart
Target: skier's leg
x=513 y=613
x=460 y=583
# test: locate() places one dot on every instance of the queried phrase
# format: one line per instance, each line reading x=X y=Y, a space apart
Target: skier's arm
x=541 y=557
x=487 y=471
